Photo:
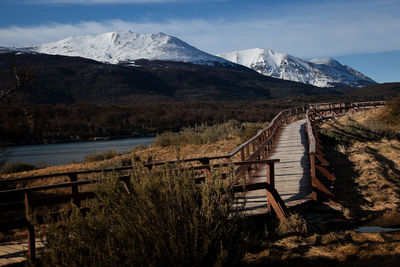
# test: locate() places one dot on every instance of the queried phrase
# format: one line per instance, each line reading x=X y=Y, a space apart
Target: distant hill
x=65 y=79
x=383 y=90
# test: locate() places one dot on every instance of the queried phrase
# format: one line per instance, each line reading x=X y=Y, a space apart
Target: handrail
x=317 y=112
x=275 y=202
x=349 y=103
x=83 y=182
x=271 y=129
x=311 y=138
x=259 y=133
x=58 y=174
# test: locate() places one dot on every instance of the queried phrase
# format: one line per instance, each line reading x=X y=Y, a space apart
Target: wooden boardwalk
x=13 y=252
x=290 y=183
x=292 y=173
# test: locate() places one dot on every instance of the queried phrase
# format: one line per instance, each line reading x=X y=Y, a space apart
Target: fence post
x=73 y=177
x=313 y=177
x=207 y=171
x=271 y=181
x=31 y=228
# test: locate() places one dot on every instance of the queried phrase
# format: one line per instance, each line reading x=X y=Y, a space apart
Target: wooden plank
x=30 y=229
x=321 y=159
x=277 y=203
x=292 y=178
x=322 y=188
x=325 y=172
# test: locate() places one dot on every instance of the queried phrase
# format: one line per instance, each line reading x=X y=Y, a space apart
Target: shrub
x=164 y=220
x=109 y=154
x=165 y=139
x=393 y=109
x=204 y=133
x=16 y=167
x=250 y=129
x=294 y=224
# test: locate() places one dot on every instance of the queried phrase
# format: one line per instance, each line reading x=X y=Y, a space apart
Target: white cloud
x=92 y=2
x=324 y=31
x=89 y=2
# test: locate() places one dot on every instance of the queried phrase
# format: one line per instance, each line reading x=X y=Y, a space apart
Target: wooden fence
x=323 y=179
x=20 y=204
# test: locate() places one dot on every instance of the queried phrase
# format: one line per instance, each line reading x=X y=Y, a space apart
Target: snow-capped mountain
x=321 y=72
x=126 y=47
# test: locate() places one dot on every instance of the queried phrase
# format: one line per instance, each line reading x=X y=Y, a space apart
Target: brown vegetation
x=40 y=123
x=342 y=248
x=162 y=219
x=371 y=147
x=363 y=150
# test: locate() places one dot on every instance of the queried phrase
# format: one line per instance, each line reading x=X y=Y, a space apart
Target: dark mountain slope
x=378 y=90
x=62 y=79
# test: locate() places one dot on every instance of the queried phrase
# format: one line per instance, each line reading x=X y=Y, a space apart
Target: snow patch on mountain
x=321 y=72
x=126 y=47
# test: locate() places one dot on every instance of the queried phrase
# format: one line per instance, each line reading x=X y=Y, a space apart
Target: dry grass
x=294 y=224
x=164 y=220
x=375 y=163
x=144 y=153
x=365 y=155
x=335 y=248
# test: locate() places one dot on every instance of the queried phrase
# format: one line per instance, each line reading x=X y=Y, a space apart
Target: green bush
x=204 y=133
x=16 y=167
x=109 y=154
x=164 y=220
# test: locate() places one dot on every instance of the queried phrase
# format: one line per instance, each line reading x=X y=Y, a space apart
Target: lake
x=59 y=154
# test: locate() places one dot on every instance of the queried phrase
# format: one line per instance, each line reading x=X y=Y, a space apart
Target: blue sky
x=364 y=34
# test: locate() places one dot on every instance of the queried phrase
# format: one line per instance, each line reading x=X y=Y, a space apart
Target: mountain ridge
x=321 y=72
x=66 y=79
x=126 y=47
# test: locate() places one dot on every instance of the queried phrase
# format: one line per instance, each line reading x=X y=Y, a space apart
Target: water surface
x=59 y=154
x=375 y=229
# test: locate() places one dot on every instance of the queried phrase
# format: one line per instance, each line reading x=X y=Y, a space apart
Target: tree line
x=61 y=122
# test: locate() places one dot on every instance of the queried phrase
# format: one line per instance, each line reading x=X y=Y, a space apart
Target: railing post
x=206 y=161
x=73 y=177
x=313 y=177
x=270 y=180
x=31 y=228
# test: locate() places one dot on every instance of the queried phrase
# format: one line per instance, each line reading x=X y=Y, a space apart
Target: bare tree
x=17 y=82
x=13 y=84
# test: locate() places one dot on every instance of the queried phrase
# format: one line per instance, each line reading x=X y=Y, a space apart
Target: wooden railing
x=322 y=179
x=260 y=146
x=18 y=205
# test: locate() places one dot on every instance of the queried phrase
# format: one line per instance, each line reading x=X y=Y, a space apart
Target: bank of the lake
x=64 y=153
